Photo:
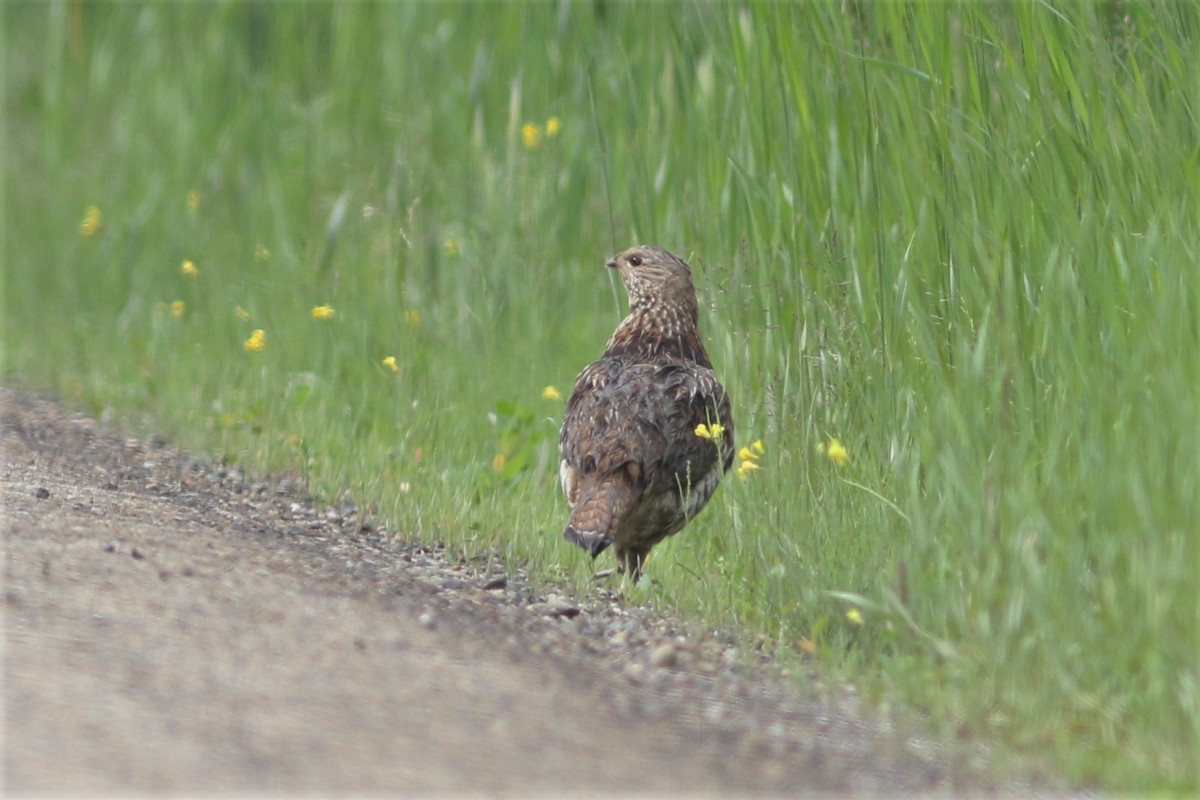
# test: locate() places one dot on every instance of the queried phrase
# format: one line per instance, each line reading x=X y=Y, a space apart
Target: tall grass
x=961 y=240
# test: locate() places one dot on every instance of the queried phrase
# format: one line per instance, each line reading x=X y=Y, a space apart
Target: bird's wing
x=696 y=397
x=644 y=416
x=604 y=424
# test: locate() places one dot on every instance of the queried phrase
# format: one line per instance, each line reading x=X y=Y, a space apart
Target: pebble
x=427 y=621
x=556 y=608
x=665 y=656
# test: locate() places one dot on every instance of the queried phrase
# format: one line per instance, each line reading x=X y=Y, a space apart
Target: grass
x=961 y=239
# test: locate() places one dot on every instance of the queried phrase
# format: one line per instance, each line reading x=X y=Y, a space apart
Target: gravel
x=124 y=551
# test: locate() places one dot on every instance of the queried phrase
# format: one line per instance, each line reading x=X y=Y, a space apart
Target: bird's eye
x=635 y=261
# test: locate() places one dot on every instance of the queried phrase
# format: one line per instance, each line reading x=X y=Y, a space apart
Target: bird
x=647 y=433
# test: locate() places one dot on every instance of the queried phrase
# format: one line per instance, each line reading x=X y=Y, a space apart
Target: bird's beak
x=611 y=263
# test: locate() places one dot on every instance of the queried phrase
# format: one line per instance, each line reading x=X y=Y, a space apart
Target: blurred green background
x=961 y=241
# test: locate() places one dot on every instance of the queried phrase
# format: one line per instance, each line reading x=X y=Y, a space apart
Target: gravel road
x=171 y=627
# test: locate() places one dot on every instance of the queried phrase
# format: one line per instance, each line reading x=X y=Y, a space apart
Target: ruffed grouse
x=634 y=468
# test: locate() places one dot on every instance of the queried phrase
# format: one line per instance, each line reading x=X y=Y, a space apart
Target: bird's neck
x=656 y=331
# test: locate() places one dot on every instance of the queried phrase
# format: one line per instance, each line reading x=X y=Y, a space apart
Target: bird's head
x=654 y=277
x=662 y=305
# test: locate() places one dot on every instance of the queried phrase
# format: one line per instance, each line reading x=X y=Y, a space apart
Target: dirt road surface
x=171 y=627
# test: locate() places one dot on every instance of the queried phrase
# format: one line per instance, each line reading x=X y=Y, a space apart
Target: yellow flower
x=193 y=200
x=836 y=452
x=241 y=313
x=322 y=312
x=390 y=363
x=550 y=393
x=531 y=135
x=854 y=616
x=413 y=317
x=713 y=431
x=749 y=458
x=256 y=342
x=91 y=222
x=745 y=468
x=261 y=253
x=189 y=269
x=177 y=309
x=552 y=126
x=452 y=246
x=499 y=461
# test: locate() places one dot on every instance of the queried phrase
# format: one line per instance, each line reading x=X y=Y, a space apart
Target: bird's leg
x=630 y=562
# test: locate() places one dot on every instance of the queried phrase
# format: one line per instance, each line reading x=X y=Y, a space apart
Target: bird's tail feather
x=597 y=513
x=591 y=541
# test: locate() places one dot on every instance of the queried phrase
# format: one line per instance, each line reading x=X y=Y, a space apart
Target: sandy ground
x=170 y=628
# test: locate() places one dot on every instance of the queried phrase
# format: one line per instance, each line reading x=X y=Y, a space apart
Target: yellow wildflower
x=552 y=126
x=710 y=432
x=531 y=135
x=745 y=468
x=261 y=253
x=189 y=269
x=550 y=393
x=193 y=200
x=855 y=616
x=177 y=309
x=241 y=313
x=836 y=452
x=322 y=312
x=413 y=317
x=499 y=461
x=749 y=459
x=452 y=246
x=390 y=363
x=92 y=222
x=256 y=342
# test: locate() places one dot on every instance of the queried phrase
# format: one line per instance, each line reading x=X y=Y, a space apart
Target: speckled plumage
x=633 y=468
